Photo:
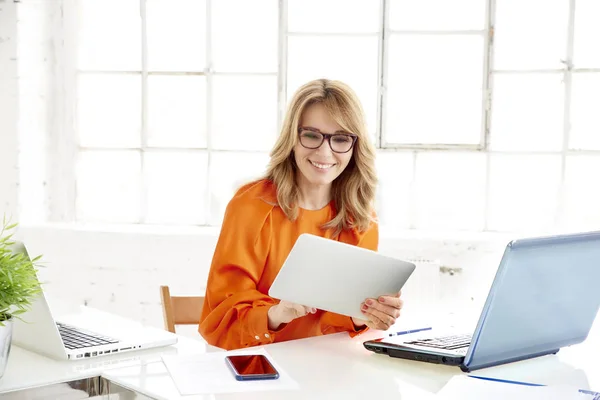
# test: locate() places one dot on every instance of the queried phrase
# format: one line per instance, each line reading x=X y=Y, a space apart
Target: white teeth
x=321 y=166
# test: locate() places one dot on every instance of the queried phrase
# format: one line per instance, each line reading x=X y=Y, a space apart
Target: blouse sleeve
x=235 y=312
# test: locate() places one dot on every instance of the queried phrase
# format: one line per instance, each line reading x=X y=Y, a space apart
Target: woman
x=320 y=180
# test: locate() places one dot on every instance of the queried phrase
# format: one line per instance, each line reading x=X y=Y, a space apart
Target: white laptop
x=336 y=276
x=38 y=331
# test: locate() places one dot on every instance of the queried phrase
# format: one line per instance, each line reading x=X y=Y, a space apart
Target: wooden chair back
x=180 y=310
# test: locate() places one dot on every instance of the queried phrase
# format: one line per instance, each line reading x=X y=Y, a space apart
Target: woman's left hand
x=380 y=313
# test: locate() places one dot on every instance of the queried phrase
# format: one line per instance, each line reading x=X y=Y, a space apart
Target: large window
x=484 y=111
x=177 y=104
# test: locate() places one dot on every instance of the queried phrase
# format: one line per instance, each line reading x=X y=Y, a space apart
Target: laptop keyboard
x=76 y=338
x=452 y=342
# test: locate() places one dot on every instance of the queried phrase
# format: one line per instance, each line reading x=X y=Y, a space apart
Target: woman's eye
x=341 y=139
x=310 y=135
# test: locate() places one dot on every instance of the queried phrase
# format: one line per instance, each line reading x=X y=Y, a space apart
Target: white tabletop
x=26 y=369
x=333 y=367
x=337 y=366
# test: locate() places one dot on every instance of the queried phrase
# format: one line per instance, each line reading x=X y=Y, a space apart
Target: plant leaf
x=18 y=276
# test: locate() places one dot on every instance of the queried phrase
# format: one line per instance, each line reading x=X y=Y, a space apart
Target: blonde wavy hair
x=353 y=191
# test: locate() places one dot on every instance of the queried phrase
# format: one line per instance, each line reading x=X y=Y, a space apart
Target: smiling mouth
x=321 y=166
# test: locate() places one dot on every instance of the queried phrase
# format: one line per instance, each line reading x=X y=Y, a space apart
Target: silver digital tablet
x=337 y=277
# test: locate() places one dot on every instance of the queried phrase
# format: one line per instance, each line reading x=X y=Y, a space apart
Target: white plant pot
x=5 y=343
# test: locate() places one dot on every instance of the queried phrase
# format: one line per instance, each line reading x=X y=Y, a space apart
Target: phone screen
x=255 y=366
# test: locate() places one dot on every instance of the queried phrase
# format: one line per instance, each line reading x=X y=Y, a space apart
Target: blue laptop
x=545 y=296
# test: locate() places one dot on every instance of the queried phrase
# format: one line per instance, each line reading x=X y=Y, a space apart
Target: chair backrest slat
x=180 y=310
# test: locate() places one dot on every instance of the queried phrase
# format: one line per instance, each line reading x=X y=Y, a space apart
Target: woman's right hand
x=285 y=312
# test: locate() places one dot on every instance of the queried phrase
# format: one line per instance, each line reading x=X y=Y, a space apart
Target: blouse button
x=267 y=335
x=257 y=337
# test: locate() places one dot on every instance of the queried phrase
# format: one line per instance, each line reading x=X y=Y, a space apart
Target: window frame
x=386 y=32
x=62 y=187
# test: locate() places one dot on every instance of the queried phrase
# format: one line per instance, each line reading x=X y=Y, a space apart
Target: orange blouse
x=255 y=240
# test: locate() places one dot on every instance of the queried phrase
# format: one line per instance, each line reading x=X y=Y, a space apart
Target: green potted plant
x=18 y=286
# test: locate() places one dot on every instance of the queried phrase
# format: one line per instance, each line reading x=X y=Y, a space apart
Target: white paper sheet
x=465 y=388
x=409 y=391
x=208 y=373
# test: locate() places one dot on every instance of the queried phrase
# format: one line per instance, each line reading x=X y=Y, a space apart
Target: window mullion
x=487 y=73
x=487 y=103
x=568 y=81
x=67 y=195
x=282 y=60
x=144 y=116
x=209 y=88
x=382 y=76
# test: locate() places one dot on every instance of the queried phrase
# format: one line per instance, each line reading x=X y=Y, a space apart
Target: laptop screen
x=545 y=296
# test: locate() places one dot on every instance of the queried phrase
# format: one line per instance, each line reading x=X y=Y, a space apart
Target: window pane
x=108 y=186
x=109 y=35
x=229 y=171
x=435 y=89
x=582 y=196
x=395 y=173
x=587 y=32
x=530 y=34
x=437 y=14
x=336 y=58
x=523 y=192
x=176 y=187
x=450 y=190
x=585 y=119
x=245 y=40
x=244 y=112
x=327 y=16
x=527 y=112
x=177 y=111
x=109 y=110
x=176 y=35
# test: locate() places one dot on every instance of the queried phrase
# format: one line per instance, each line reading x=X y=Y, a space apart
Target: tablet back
x=338 y=277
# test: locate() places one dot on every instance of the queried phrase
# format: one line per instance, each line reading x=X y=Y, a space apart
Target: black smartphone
x=251 y=367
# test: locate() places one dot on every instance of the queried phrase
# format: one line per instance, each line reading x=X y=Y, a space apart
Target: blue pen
x=596 y=395
x=485 y=378
x=409 y=331
x=591 y=393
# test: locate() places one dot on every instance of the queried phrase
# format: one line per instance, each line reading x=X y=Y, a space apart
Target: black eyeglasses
x=339 y=142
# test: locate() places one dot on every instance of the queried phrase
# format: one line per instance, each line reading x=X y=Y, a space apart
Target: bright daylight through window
x=484 y=111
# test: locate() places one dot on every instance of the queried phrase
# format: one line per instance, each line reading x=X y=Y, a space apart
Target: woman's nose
x=325 y=147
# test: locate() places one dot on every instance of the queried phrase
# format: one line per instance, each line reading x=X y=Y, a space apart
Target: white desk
x=327 y=367
x=338 y=367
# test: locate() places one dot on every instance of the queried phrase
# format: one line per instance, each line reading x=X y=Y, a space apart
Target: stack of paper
x=467 y=388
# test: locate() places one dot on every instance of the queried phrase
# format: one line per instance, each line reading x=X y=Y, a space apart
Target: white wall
x=29 y=84
x=8 y=108
x=120 y=270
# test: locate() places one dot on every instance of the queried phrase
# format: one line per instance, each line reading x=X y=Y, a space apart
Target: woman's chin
x=321 y=179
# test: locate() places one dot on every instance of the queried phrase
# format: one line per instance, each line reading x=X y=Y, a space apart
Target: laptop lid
x=38 y=331
x=545 y=296
x=337 y=277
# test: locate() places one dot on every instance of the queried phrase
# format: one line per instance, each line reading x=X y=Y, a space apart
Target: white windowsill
x=181 y=230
